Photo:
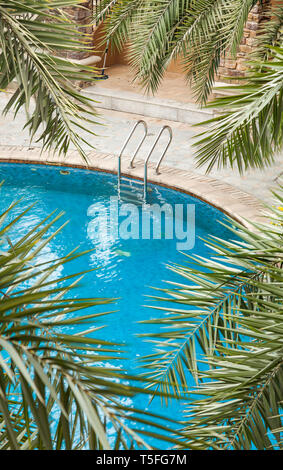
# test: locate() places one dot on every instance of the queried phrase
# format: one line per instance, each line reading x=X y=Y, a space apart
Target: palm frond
x=271 y=33
x=118 y=17
x=224 y=330
x=200 y=32
x=217 y=30
x=248 y=131
x=57 y=389
x=31 y=36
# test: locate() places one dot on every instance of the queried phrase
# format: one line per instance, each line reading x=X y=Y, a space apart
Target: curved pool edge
x=237 y=204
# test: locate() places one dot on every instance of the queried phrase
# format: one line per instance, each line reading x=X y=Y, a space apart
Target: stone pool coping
x=237 y=204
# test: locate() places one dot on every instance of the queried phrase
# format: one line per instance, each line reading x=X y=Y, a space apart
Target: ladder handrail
x=141 y=141
x=126 y=143
x=160 y=159
x=167 y=146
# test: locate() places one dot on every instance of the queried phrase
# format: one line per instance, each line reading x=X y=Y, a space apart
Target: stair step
x=129 y=102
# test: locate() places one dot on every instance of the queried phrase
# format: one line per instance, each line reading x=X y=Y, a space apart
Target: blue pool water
x=127 y=268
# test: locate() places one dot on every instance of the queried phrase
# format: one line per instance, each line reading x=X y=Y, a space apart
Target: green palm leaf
x=57 y=390
x=31 y=36
x=198 y=31
x=248 y=131
x=271 y=33
x=224 y=330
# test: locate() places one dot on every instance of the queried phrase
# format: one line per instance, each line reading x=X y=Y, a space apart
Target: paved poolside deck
x=237 y=195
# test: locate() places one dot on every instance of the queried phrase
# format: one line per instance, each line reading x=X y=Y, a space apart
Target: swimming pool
x=127 y=267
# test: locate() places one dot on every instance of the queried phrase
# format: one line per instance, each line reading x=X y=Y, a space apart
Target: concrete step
x=129 y=102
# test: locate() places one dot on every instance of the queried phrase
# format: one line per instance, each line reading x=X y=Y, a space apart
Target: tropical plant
x=57 y=389
x=248 y=130
x=271 y=32
x=32 y=36
x=247 y=133
x=199 y=32
x=221 y=340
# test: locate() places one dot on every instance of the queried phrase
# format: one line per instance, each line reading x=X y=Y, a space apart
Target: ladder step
x=124 y=197
x=128 y=186
x=131 y=191
x=130 y=200
x=130 y=180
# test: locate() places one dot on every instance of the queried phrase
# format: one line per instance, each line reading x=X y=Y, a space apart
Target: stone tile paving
x=113 y=130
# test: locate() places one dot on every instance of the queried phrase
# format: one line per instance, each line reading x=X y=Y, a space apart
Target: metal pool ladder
x=130 y=184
